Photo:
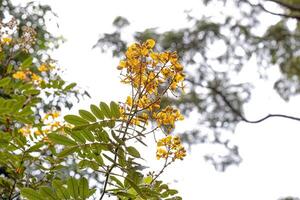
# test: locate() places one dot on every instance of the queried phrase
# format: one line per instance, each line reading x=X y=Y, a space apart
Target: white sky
x=270 y=150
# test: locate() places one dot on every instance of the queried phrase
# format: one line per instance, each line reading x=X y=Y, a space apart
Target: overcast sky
x=270 y=150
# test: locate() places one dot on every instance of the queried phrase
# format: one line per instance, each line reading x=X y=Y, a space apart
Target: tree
x=36 y=146
x=28 y=84
x=213 y=90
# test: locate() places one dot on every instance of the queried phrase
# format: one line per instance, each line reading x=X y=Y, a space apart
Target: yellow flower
x=121 y=65
x=145 y=51
x=173 y=86
x=150 y=43
x=43 y=68
x=170 y=146
x=36 y=78
x=55 y=124
x=164 y=57
x=55 y=114
x=161 y=153
x=168 y=117
x=25 y=131
x=129 y=101
x=6 y=40
x=37 y=132
x=180 y=153
x=20 y=75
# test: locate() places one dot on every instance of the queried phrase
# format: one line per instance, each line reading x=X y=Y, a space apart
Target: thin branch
x=294 y=7
x=116 y=151
x=166 y=164
x=237 y=112
x=106 y=180
x=271 y=12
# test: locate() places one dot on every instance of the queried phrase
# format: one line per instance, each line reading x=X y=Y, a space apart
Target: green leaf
x=47 y=192
x=83 y=188
x=109 y=158
x=118 y=140
x=101 y=146
x=97 y=112
x=35 y=147
x=31 y=92
x=67 y=151
x=70 y=86
x=105 y=109
x=27 y=62
x=87 y=115
x=92 y=191
x=135 y=187
x=60 y=139
x=5 y=81
x=111 y=123
x=125 y=194
x=72 y=184
x=76 y=120
x=98 y=159
x=115 y=109
x=133 y=152
x=121 y=157
x=172 y=192
x=147 y=180
x=88 y=135
x=117 y=181
x=10 y=67
x=61 y=191
x=77 y=136
x=88 y=164
x=102 y=136
x=30 y=194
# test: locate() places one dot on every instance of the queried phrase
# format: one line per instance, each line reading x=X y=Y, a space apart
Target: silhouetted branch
x=294 y=7
x=237 y=112
x=271 y=12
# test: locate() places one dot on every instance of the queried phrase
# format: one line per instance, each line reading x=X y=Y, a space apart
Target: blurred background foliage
x=36 y=15
x=213 y=90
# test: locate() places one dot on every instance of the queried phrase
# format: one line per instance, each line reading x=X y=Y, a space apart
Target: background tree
x=32 y=93
x=214 y=90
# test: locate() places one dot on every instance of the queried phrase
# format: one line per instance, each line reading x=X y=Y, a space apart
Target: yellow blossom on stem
x=43 y=68
x=170 y=146
x=161 y=153
x=20 y=75
x=168 y=116
x=37 y=132
x=150 y=43
x=152 y=75
x=36 y=78
x=25 y=131
x=6 y=40
x=129 y=101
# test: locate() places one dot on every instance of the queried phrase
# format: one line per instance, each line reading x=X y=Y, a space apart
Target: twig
x=271 y=12
x=295 y=7
x=238 y=113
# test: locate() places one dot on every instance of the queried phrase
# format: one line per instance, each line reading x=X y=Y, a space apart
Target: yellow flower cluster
x=28 y=75
x=50 y=124
x=44 y=68
x=167 y=117
x=151 y=75
x=170 y=147
x=148 y=69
